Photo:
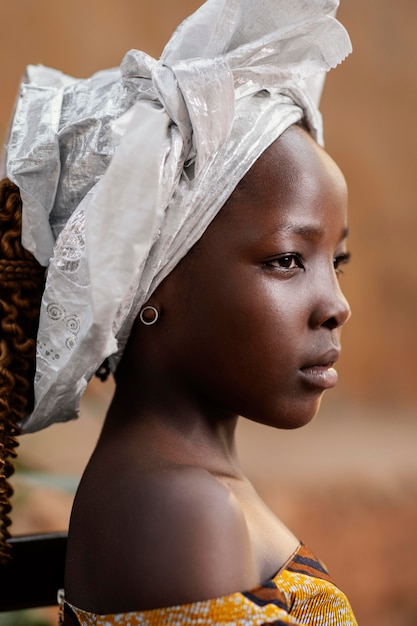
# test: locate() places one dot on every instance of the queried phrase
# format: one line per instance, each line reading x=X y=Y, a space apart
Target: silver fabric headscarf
x=121 y=173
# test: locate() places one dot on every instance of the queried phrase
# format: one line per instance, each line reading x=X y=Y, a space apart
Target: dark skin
x=249 y=325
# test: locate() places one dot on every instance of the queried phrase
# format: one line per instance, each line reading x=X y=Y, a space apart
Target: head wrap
x=121 y=173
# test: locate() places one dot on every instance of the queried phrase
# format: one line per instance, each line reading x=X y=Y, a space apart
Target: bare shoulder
x=175 y=535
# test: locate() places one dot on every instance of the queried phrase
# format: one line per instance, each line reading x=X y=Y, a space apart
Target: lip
x=319 y=371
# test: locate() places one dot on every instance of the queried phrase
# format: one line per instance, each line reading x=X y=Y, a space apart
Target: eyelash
x=292 y=257
x=339 y=260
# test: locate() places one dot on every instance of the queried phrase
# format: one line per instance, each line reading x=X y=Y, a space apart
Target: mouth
x=320 y=372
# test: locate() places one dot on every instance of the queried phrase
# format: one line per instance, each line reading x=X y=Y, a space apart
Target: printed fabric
x=301 y=593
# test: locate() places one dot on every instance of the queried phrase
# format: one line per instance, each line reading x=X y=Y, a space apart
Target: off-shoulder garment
x=301 y=593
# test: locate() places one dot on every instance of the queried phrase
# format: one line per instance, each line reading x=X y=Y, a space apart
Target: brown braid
x=21 y=287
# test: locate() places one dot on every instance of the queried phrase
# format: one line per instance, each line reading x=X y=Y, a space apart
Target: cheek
x=260 y=299
x=240 y=342
x=251 y=317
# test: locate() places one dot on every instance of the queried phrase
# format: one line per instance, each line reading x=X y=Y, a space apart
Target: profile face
x=254 y=314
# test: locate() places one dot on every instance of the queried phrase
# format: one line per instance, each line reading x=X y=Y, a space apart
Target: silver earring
x=149 y=315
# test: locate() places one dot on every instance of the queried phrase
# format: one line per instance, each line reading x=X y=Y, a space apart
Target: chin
x=295 y=416
x=305 y=414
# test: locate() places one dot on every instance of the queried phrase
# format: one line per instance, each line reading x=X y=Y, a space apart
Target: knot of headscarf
x=125 y=170
x=198 y=96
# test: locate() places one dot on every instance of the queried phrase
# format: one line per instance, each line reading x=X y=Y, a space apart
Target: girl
x=194 y=229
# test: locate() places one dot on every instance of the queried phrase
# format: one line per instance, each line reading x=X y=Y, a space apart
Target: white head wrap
x=120 y=174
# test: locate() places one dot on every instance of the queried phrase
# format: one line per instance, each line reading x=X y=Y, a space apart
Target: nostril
x=332 y=323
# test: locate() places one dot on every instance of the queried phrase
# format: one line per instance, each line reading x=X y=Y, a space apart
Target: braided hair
x=21 y=287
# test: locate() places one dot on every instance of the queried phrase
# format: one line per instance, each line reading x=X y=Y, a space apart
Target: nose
x=332 y=309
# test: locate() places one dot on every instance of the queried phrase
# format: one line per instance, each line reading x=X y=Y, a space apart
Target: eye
x=289 y=261
x=341 y=260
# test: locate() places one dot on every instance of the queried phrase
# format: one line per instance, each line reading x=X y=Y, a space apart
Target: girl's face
x=253 y=314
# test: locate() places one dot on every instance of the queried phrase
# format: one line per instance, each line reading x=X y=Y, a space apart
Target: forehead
x=292 y=160
x=293 y=182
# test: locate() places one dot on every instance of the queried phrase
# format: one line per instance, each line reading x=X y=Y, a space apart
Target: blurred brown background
x=347 y=482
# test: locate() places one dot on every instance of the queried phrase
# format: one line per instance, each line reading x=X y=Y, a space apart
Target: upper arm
x=180 y=538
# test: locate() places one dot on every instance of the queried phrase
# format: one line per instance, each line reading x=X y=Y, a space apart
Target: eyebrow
x=309 y=231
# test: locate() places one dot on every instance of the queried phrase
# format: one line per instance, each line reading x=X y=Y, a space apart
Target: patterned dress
x=301 y=593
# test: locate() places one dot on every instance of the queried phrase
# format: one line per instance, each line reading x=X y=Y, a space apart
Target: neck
x=163 y=423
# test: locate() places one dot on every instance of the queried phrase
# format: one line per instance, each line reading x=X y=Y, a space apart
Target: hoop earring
x=149 y=315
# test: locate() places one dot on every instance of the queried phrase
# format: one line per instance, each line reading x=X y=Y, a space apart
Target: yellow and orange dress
x=300 y=593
